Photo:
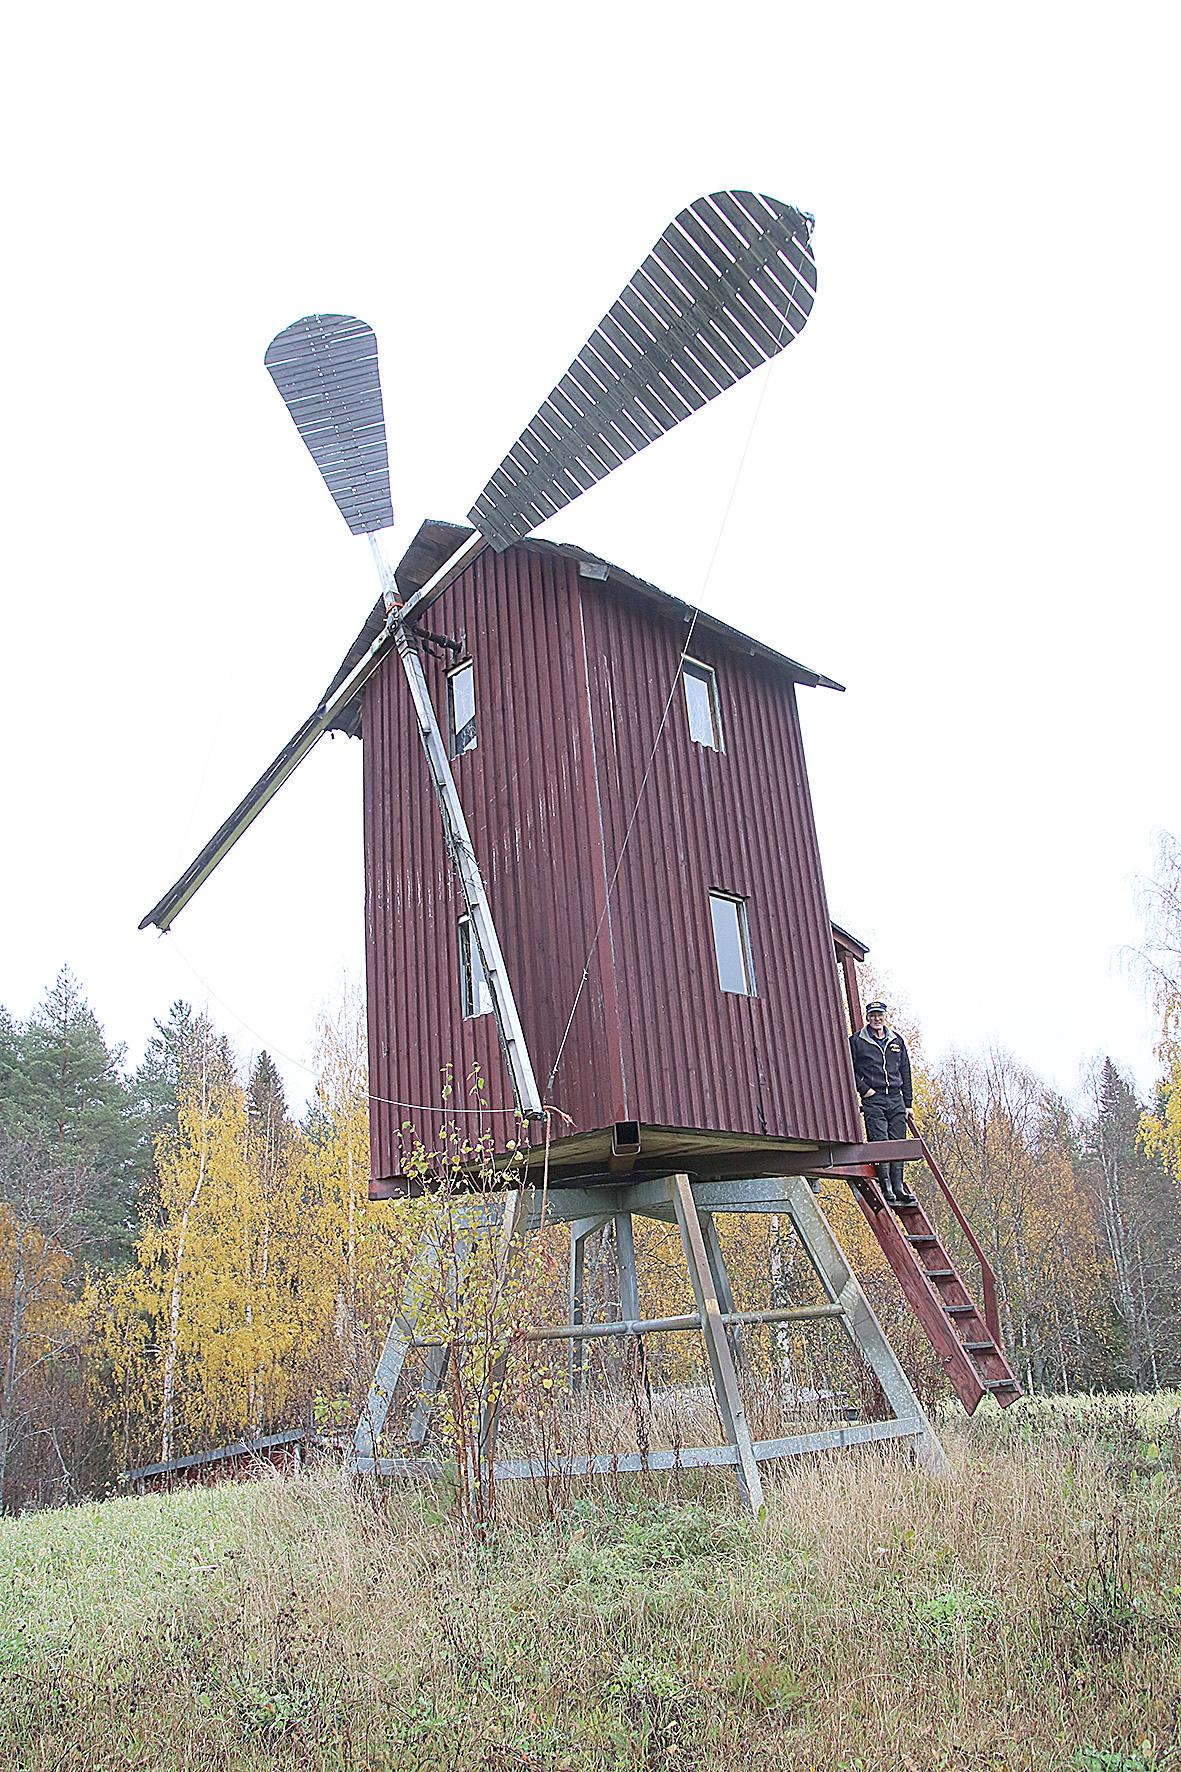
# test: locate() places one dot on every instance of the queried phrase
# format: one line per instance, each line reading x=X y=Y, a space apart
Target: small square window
x=474 y=993
x=461 y=709
x=701 y=701
x=736 y=970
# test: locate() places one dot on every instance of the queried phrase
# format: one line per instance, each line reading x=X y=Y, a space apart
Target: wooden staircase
x=966 y=1338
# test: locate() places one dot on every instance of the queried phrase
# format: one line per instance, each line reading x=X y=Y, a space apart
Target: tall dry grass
x=1024 y=1614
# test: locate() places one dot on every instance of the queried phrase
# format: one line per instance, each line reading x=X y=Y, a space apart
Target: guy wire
x=663 y=719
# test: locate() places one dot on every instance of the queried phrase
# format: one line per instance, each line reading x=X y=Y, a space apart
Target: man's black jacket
x=880 y=1067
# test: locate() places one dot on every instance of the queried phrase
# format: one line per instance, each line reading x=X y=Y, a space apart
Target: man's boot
x=902 y=1193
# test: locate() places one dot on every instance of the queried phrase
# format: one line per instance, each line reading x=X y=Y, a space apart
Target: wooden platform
x=628 y=1151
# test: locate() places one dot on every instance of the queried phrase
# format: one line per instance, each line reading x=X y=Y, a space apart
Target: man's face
x=877 y=1020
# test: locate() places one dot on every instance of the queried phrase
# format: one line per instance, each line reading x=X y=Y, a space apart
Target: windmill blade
x=325 y=367
x=729 y=283
x=346 y=685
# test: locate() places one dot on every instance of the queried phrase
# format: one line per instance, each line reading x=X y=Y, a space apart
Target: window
x=736 y=970
x=461 y=709
x=473 y=986
x=701 y=700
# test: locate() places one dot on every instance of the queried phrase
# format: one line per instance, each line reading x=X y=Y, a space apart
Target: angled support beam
x=437 y=1361
x=862 y=1327
x=746 y=1469
x=425 y=1271
x=721 y=1280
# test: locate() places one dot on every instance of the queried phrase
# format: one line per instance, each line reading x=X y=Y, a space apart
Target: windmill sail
x=325 y=367
x=729 y=283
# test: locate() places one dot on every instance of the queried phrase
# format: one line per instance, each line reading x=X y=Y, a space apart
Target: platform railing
x=988 y=1286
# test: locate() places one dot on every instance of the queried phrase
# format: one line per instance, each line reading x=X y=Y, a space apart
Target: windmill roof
x=435 y=542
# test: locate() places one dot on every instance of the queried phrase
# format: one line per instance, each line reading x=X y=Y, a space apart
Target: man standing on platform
x=881 y=1065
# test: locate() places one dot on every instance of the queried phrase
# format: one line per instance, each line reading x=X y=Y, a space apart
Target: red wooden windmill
x=591 y=862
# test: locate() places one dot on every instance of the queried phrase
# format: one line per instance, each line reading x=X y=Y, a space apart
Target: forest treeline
x=183 y=1262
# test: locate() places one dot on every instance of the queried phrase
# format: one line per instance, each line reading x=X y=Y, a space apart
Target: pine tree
x=1139 y=1210
x=61 y=1085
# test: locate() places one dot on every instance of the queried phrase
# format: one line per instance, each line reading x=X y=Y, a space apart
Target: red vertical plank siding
x=739 y=821
x=571 y=680
x=528 y=797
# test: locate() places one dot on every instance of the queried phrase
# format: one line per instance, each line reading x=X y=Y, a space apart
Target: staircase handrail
x=988 y=1285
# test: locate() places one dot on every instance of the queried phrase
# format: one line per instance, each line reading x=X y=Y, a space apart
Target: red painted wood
x=572 y=680
x=926 y=1303
x=988 y=1284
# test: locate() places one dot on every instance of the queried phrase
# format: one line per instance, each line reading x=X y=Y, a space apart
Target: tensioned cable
x=663 y=718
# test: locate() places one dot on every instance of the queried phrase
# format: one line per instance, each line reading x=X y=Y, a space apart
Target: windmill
x=727 y=286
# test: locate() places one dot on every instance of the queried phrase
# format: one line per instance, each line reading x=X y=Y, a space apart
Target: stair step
x=981 y=1347
x=917 y=1240
x=960 y=1310
x=1000 y=1384
x=940 y=1273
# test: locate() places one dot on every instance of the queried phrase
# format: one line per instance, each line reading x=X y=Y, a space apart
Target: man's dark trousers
x=885 y=1117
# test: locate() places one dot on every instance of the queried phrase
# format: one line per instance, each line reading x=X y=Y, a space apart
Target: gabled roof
x=437 y=541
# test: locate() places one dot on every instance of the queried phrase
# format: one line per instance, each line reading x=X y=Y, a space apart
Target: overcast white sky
x=958 y=498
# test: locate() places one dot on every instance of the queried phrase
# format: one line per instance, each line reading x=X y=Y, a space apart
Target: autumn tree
x=1153 y=1241
x=178 y=1044
x=46 y=1196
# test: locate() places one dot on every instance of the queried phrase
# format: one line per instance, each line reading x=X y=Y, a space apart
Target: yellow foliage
x=1160 y=1132
x=263 y=1285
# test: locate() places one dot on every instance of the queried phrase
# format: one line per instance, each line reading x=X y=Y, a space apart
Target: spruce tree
x=62 y=1089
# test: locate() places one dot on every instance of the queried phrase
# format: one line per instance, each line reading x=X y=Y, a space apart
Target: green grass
x=1026 y=1614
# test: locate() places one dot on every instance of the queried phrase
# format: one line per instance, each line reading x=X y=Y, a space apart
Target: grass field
x=1026 y=1614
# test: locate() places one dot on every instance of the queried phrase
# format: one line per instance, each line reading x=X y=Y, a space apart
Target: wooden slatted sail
x=729 y=283
x=325 y=367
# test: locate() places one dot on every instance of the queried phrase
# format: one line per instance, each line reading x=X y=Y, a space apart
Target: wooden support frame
x=471 y=1219
x=721 y=1280
x=717 y=1347
x=580 y=1230
x=691 y=1205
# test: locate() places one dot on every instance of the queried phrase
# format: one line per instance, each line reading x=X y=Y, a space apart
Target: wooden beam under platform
x=590 y=1159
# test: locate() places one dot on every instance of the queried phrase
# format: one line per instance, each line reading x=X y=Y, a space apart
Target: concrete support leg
x=862 y=1327
x=721 y=1361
